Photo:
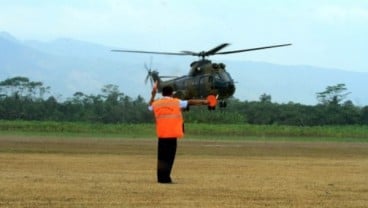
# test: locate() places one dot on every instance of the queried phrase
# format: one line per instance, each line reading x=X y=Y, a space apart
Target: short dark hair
x=167 y=90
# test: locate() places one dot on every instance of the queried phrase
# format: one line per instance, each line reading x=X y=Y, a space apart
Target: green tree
x=333 y=95
x=264 y=98
x=364 y=115
x=23 y=87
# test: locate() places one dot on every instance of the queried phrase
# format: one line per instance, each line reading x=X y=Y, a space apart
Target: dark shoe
x=167 y=181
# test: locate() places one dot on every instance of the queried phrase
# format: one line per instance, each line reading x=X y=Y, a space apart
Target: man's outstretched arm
x=197 y=102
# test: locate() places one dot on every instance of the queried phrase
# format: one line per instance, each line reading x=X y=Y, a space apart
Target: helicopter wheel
x=223 y=104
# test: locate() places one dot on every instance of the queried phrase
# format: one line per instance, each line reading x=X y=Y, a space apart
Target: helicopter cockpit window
x=225 y=76
x=222 y=66
x=217 y=76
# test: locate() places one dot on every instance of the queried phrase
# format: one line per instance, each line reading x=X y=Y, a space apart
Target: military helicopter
x=204 y=78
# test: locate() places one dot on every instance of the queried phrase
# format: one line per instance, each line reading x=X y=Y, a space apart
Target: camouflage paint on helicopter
x=204 y=78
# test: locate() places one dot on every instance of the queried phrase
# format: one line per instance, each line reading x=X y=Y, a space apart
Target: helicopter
x=204 y=79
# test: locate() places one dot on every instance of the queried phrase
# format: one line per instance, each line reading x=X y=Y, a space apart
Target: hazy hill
x=68 y=66
x=295 y=83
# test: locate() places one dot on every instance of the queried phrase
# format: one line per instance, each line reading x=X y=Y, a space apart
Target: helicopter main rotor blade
x=151 y=52
x=203 y=54
x=206 y=53
x=252 y=49
x=216 y=49
x=190 y=53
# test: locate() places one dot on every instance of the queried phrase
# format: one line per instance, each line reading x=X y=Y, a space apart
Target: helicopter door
x=203 y=87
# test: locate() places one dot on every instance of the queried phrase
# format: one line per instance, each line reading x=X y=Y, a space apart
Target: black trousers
x=166 y=152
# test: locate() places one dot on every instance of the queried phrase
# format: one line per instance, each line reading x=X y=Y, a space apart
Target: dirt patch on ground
x=82 y=172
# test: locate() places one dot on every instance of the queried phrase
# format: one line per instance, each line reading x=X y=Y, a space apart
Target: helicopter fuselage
x=205 y=78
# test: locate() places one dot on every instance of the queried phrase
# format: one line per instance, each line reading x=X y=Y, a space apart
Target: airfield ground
x=80 y=172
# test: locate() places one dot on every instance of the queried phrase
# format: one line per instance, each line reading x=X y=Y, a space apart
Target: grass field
x=39 y=171
x=346 y=133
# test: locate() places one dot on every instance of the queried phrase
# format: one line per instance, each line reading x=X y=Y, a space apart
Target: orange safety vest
x=169 y=120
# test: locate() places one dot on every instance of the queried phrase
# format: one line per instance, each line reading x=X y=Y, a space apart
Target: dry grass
x=121 y=173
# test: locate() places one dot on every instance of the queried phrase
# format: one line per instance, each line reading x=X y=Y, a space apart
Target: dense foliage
x=22 y=99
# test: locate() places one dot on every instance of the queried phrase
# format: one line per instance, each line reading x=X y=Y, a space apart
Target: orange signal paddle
x=212 y=101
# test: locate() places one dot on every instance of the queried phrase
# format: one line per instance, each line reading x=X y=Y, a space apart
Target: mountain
x=295 y=83
x=69 y=66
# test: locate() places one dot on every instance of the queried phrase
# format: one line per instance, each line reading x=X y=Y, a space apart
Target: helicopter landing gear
x=222 y=104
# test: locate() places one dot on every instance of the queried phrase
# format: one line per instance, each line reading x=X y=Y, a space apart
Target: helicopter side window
x=217 y=76
x=225 y=76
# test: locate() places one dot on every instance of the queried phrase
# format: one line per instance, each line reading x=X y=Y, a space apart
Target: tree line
x=23 y=99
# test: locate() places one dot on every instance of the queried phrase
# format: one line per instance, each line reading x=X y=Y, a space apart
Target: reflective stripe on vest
x=169 y=120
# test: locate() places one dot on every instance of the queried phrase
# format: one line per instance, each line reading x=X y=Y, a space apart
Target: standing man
x=169 y=127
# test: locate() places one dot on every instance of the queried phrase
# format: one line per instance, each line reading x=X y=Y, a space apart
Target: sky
x=324 y=33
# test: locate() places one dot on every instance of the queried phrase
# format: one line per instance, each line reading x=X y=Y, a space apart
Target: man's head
x=167 y=91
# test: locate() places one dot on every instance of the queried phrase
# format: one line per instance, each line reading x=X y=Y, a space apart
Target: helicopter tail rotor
x=149 y=74
x=152 y=75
